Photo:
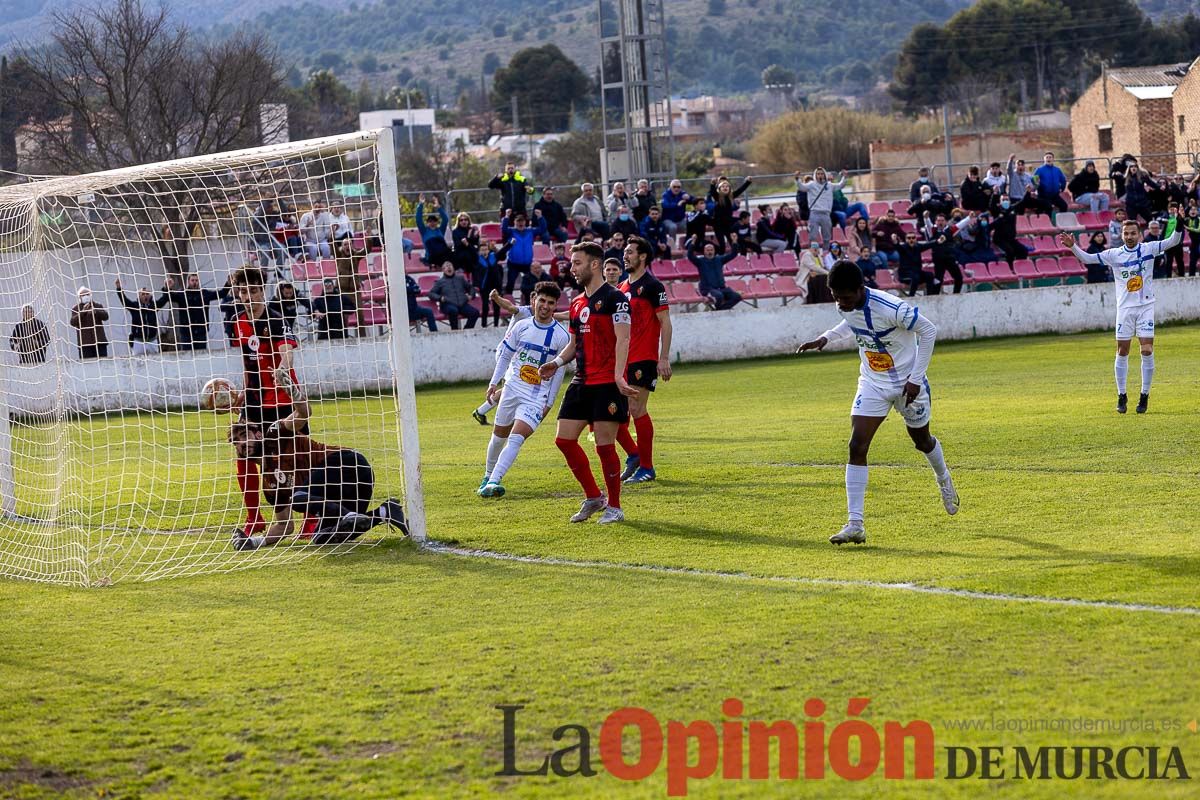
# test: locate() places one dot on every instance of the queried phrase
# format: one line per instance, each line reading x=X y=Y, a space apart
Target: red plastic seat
x=878 y=208
x=664 y=270
x=1090 y=220
x=885 y=279
x=762 y=265
x=1041 y=224
x=1024 y=269
x=762 y=287
x=739 y=266
x=786 y=286
x=686 y=270
x=685 y=293
x=426 y=282
x=1070 y=266
x=1048 y=267
x=490 y=230
x=785 y=263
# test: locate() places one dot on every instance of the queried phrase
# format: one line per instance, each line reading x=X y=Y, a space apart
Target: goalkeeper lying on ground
x=329 y=486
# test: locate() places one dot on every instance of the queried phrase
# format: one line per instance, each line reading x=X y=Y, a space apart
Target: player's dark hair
x=641 y=245
x=845 y=276
x=247 y=276
x=548 y=288
x=590 y=249
x=615 y=262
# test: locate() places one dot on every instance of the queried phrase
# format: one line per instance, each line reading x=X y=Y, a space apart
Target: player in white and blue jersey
x=526 y=397
x=1132 y=267
x=895 y=343
x=518 y=313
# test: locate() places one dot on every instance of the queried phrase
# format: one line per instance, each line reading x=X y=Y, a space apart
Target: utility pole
x=946 y=136
x=408 y=122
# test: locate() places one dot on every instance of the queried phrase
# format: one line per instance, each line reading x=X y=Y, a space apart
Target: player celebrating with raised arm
x=267 y=346
x=526 y=398
x=649 y=351
x=518 y=313
x=1132 y=267
x=599 y=393
x=895 y=344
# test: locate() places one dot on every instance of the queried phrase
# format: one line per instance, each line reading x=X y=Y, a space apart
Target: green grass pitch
x=376 y=674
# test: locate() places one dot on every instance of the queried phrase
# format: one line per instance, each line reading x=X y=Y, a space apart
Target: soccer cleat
x=590 y=506
x=492 y=490
x=1122 y=403
x=949 y=495
x=611 y=515
x=643 y=475
x=631 y=466
x=1143 y=403
x=391 y=512
x=852 y=533
x=480 y=418
x=348 y=528
x=241 y=541
x=482 y=484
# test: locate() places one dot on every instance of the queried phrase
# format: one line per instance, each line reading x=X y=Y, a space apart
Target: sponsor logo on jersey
x=585 y=314
x=530 y=375
x=879 y=362
x=281 y=478
x=254 y=343
x=1134 y=284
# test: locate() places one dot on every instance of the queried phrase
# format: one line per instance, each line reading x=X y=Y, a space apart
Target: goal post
x=116 y=309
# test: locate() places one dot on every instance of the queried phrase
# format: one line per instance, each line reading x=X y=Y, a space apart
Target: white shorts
x=1137 y=321
x=876 y=401
x=514 y=406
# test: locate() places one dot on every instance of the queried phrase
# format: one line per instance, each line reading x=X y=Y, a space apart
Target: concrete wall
x=326 y=368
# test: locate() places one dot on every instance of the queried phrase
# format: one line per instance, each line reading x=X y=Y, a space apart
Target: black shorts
x=601 y=402
x=266 y=416
x=643 y=374
x=345 y=478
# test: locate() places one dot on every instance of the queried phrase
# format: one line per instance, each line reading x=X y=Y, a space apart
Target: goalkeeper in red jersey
x=268 y=348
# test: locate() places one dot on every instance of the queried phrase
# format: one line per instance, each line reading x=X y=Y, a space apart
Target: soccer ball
x=218 y=395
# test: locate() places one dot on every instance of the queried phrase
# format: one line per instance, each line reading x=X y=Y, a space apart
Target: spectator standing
x=802 y=201
x=995 y=182
x=911 y=271
x=514 y=188
x=554 y=215
x=1154 y=234
x=536 y=275
x=1020 y=185
x=30 y=338
x=1117 y=171
x=1173 y=257
x=589 y=213
x=974 y=193
x=143 y=319
x=723 y=200
x=88 y=318
x=1192 y=225
x=329 y=312
x=712 y=275
x=944 y=259
x=654 y=231
x=287 y=305
x=698 y=223
x=189 y=304
x=820 y=204
x=316 y=231
x=466 y=244
x=264 y=225
x=1085 y=188
x=923 y=181
x=674 y=207
x=489 y=277
x=887 y=233
x=432 y=226
x=417 y=312
x=453 y=296
x=1050 y=184
x=340 y=226
x=519 y=238
x=1137 y=198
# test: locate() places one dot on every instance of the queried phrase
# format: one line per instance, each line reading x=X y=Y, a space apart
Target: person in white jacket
x=820 y=204
x=895 y=344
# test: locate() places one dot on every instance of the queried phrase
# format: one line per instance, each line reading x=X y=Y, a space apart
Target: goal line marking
x=915 y=588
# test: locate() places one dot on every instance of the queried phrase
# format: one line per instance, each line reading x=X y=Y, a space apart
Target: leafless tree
x=137 y=88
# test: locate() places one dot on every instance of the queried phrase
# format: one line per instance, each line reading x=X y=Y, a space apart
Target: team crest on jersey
x=597 y=305
x=612 y=408
x=640 y=290
x=637 y=375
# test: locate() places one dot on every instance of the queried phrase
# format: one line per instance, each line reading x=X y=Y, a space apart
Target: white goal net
x=123 y=293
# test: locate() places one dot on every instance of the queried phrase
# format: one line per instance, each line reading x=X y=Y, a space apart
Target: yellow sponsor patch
x=529 y=374
x=880 y=362
x=1134 y=284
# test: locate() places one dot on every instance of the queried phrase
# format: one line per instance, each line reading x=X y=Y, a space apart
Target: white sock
x=1121 y=367
x=507 y=457
x=938 y=461
x=493 y=453
x=487 y=406
x=1147 y=372
x=856 y=490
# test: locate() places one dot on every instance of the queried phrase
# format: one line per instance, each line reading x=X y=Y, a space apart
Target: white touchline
x=917 y=588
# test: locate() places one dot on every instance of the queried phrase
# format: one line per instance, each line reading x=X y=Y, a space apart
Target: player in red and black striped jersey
x=649 y=355
x=599 y=394
x=267 y=346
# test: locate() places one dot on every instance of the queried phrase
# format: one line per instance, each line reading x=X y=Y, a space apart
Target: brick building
x=1151 y=112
